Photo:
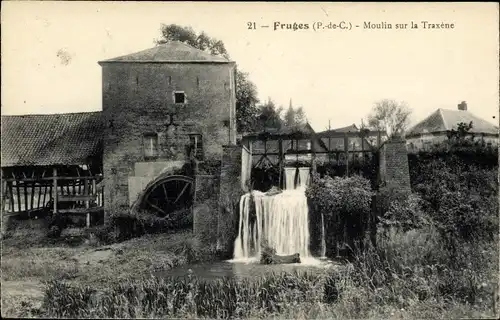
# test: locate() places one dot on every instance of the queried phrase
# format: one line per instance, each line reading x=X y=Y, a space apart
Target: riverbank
x=407 y=277
x=28 y=263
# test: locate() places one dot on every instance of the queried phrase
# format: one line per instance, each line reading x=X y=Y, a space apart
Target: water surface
x=247 y=269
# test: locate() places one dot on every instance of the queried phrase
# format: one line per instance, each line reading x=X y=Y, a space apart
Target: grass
x=409 y=276
x=29 y=259
x=184 y=297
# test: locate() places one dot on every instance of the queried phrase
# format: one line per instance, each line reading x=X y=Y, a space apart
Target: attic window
x=179 y=97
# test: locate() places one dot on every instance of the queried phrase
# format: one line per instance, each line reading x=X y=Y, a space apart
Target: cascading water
x=304 y=177
x=323 y=241
x=280 y=220
x=290 y=174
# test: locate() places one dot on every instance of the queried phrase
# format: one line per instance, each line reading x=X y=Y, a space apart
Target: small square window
x=179 y=97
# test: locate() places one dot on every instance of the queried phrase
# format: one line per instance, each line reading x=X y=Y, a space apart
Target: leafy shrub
x=345 y=204
x=209 y=167
x=467 y=217
x=460 y=199
x=56 y=224
x=399 y=208
x=104 y=234
x=129 y=225
x=349 y=196
x=366 y=166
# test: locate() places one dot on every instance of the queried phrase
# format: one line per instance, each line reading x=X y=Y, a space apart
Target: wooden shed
x=51 y=162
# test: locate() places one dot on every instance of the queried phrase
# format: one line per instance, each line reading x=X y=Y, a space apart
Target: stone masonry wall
x=394 y=169
x=138 y=99
x=229 y=197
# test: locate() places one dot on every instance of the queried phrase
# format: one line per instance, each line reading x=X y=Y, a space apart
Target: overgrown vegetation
x=185 y=297
x=437 y=244
x=128 y=225
x=345 y=204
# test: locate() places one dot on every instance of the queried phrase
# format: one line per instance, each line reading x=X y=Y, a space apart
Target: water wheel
x=168 y=195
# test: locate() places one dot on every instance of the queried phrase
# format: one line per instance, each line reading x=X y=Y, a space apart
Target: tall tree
x=269 y=116
x=294 y=116
x=300 y=116
x=391 y=116
x=246 y=91
x=289 y=118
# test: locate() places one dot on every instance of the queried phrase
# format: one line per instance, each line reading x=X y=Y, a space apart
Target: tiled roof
x=51 y=139
x=443 y=120
x=174 y=51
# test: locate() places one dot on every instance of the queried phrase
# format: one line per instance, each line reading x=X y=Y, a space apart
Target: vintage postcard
x=300 y=160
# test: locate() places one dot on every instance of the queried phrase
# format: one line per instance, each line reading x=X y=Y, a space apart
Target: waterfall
x=290 y=178
x=304 y=176
x=323 y=241
x=281 y=220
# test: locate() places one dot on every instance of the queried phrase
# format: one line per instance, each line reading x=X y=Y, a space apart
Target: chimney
x=462 y=106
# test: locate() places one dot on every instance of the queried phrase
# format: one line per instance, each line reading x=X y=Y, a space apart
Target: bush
x=348 y=196
x=461 y=200
x=399 y=208
x=345 y=204
x=209 y=167
x=124 y=226
x=56 y=224
x=129 y=225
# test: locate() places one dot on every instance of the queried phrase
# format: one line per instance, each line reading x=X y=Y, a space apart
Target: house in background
x=434 y=129
x=293 y=148
x=355 y=143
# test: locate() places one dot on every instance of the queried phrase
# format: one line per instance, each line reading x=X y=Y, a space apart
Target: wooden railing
x=30 y=194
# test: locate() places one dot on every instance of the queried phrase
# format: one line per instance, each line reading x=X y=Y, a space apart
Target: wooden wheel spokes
x=186 y=185
x=170 y=195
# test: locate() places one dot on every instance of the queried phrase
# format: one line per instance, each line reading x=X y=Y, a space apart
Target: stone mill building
x=162 y=108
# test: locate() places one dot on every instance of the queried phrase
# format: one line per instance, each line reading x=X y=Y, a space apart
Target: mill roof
x=50 y=139
x=173 y=52
x=443 y=120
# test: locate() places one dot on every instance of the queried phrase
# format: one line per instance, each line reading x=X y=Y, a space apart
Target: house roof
x=173 y=51
x=50 y=139
x=351 y=128
x=443 y=120
x=336 y=142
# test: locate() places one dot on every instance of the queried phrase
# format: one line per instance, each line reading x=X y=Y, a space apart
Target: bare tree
x=391 y=116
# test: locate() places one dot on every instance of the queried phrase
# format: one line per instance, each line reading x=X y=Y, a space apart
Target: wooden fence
x=56 y=194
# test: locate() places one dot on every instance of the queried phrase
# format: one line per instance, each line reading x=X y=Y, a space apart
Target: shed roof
x=443 y=120
x=51 y=139
x=172 y=51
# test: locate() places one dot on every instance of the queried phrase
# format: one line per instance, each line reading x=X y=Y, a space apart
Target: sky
x=50 y=52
